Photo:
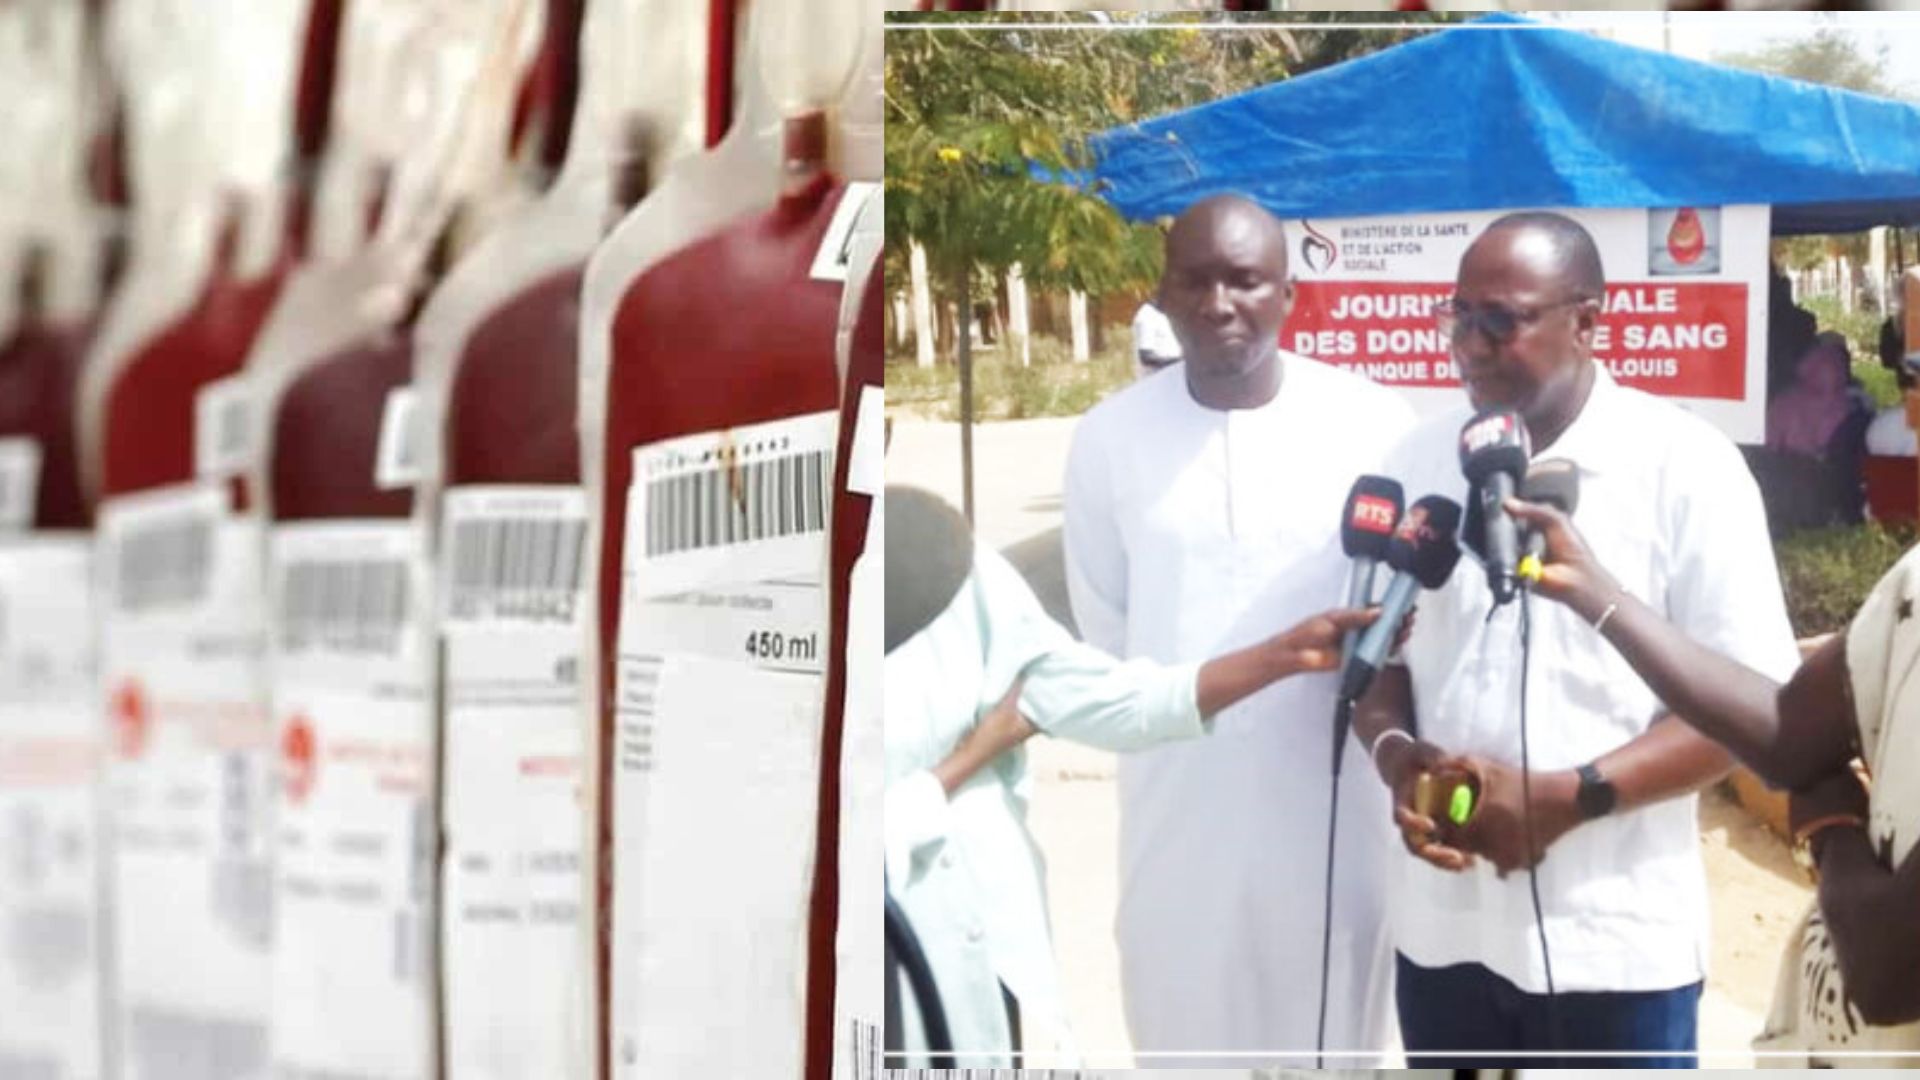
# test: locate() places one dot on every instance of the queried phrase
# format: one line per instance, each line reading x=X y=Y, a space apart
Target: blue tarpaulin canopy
x=1504 y=112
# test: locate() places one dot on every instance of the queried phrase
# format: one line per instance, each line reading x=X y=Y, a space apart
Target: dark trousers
x=1464 y=1016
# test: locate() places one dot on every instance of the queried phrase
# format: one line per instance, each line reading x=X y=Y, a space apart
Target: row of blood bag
x=437 y=442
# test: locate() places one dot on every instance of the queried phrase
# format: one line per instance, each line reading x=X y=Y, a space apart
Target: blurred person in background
x=1154 y=346
x=1816 y=438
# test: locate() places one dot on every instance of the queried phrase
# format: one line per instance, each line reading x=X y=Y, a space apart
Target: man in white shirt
x=1202 y=507
x=1668 y=504
x=1154 y=345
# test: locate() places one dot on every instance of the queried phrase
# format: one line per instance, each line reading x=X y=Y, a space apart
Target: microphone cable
x=1342 y=723
x=1526 y=815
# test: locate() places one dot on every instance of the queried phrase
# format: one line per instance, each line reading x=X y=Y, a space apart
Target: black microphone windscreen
x=1492 y=442
x=1425 y=544
x=1372 y=510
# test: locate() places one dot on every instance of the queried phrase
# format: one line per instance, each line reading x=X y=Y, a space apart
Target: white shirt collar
x=1590 y=441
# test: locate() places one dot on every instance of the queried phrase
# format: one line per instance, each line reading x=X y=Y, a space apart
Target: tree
x=1831 y=57
x=972 y=111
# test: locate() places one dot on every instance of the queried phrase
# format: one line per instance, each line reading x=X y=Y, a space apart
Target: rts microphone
x=1423 y=552
x=1554 y=483
x=1494 y=449
x=1366 y=527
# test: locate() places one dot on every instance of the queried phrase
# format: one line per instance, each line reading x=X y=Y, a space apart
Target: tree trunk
x=922 y=309
x=1019 y=330
x=964 y=286
x=1077 y=315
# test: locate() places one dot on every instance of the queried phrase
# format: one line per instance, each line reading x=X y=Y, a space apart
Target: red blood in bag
x=39 y=368
x=513 y=401
x=326 y=433
x=149 y=416
x=725 y=332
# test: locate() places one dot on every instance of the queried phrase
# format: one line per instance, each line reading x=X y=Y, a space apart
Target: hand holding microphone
x=1559 y=564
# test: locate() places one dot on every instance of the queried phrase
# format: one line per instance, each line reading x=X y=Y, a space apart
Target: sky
x=1702 y=35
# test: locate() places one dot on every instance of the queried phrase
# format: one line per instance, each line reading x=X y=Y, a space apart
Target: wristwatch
x=1596 y=795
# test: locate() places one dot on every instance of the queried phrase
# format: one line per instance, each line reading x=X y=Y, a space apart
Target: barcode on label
x=739 y=503
x=222 y=440
x=864 y=1049
x=165 y=563
x=166 y=1042
x=513 y=567
x=355 y=607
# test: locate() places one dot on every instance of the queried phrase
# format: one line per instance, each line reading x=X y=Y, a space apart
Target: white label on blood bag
x=222 y=427
x=19 y=482
x=745 y=504
x=513 y=619
x=355 y=832
x=513 y=554
x=50 y=735
x=867 y=472
x=858 y=980
x=182 y=645
x=722 y=631
x=836 y=248
x=396 y=463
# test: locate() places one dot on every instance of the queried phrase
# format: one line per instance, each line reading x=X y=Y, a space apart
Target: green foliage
x=1827 y=573
x=968 y=111
x=1878 y=381
x=971 y=110
x=1003 y=390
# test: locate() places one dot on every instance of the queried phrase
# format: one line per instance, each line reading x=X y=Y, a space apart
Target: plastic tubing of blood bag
x=807 y=49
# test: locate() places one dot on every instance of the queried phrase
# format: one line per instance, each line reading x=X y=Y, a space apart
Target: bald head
x=1553 y=246
x=1226 y=293
x=1234 y=219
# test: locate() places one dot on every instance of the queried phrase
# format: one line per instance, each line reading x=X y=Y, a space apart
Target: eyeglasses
x=1458 y=319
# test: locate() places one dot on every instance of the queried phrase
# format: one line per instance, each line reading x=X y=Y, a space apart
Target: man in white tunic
x=1202 y=508
x=1668 y=505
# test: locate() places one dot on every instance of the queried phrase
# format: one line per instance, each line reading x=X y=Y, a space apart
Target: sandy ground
x=1756 y=891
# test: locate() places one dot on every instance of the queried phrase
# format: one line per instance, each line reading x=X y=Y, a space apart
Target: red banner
x=1676 y=339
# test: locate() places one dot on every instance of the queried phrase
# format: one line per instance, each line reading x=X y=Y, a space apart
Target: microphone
x=1494 y=449
x=1366 y=531
x=1366 y=527
x=1423 y=552
x=1554 y=483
